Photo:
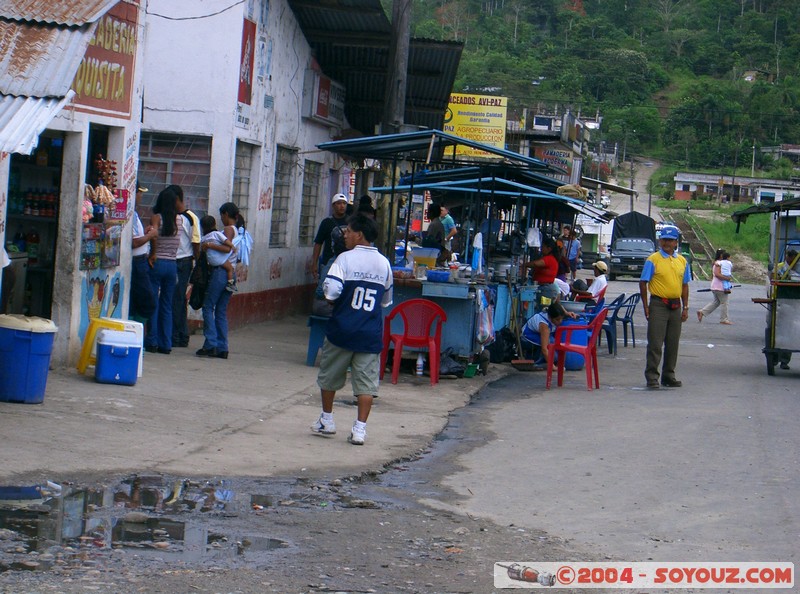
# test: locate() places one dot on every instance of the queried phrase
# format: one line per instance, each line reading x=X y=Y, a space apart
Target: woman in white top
x=718 y=291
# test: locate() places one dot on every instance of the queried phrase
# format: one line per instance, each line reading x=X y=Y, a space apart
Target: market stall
x=505 y=203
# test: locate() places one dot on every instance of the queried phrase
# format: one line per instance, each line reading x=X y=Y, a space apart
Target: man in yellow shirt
x=666 y=275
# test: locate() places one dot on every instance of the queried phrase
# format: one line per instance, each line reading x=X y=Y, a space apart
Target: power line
x=192 y=18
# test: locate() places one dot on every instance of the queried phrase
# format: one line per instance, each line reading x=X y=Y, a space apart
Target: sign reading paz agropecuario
x=104 y=80
x=481 y=118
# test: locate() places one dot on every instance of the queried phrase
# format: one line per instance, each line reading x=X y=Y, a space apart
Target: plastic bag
x=485 y=334
x=448 y=365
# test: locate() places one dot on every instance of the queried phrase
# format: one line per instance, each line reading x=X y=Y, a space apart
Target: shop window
x=166 y=159
x=242 y=175
x=285 y=163
x=310 y=201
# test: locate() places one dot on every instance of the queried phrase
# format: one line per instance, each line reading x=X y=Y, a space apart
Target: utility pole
x=753 y=163
x=632 y=192
x=397 y=75
x=395 y=104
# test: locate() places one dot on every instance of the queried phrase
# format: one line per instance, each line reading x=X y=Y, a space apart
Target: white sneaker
x=324 y=427
x=357 y=436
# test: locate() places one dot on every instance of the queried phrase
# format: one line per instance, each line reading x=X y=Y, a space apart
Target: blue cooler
x=25 y=347
x=117 y=357
x=574 y=361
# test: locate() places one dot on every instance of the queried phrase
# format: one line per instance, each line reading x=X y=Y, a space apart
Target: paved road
x=708 y=472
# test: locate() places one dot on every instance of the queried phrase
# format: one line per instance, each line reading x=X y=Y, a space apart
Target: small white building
x=234 y=106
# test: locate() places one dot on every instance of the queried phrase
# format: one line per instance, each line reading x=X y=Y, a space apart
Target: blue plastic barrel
x=574 y=361
x=25 y=347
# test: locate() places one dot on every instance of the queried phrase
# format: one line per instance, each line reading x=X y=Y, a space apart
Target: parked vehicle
x=633 y=240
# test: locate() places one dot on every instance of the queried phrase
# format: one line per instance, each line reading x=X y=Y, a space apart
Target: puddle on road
x=155 y=517
x=51 y=524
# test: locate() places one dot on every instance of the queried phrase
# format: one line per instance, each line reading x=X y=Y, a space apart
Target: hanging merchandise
x=485 y=333
x=534 y=237
x=477 y=253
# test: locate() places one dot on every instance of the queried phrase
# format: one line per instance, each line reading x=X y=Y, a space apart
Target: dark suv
x=628 y=256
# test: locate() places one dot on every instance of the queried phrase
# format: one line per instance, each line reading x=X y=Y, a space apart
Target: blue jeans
x=163 y=276
x=180 y=326
x=215 y=311
x=143 y=299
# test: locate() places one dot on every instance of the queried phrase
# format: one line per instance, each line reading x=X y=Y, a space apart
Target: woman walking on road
x=718 y=291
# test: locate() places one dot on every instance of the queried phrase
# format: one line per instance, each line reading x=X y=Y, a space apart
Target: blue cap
x=670 y=233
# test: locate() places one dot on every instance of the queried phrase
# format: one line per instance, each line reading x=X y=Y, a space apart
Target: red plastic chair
x=600 y=296
x=563 y=344
x=419 y=316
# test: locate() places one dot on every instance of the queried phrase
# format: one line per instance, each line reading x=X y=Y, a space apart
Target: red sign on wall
x=104 y=81
x=246 y=62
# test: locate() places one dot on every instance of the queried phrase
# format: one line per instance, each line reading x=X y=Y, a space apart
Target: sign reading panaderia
x=104 y=81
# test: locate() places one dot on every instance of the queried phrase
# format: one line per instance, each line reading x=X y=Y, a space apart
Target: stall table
x=457 y=300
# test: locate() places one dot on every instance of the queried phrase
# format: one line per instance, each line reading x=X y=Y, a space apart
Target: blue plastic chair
x=623 y=314
x=610 y=324
x=592 y=310
x=627 y=318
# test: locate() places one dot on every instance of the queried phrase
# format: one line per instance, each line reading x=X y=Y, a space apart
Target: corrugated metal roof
x=351 y=39
x=42 y=43
x=23 y=119
x=334 y=17
x=71 y=13
x=40 y=61
x=426 y=146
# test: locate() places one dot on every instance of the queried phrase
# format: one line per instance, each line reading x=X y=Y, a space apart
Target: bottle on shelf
x=28 y=202
x=32 y=240
x=19 y=240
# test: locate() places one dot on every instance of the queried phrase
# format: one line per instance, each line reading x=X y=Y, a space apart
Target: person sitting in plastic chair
x=593 y=292
x=540 y=329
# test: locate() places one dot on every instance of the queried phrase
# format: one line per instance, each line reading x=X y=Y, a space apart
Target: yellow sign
x=481 y=118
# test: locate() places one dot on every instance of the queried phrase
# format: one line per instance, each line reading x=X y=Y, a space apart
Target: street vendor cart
x=782 y=333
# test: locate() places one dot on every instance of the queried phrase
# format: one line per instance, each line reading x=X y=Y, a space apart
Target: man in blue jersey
x=358 y=284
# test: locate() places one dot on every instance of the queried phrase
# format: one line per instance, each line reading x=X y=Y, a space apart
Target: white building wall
x=191 y=86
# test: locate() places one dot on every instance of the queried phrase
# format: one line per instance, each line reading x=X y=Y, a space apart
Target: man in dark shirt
x=434 y=236
x=329 y=240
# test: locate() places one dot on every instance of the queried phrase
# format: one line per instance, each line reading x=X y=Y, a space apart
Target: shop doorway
x=33 y=211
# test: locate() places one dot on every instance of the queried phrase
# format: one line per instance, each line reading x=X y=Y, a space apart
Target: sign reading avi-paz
x=481 y=118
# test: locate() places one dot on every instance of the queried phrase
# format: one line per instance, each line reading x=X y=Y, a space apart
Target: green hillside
x=694 y=82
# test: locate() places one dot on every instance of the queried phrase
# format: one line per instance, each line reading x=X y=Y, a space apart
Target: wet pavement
x=364 y=533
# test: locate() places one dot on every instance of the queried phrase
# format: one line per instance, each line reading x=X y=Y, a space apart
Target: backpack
x=199 y=282
x=337 y=240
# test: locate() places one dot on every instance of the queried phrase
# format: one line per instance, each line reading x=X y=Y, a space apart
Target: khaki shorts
x=364 y=370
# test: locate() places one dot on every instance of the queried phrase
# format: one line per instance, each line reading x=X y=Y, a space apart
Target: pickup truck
x=633 y=240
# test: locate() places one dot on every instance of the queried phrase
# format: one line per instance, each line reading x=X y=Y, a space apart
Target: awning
x=589 y=182
x=505 y=188
x=741 y=215
x=23 y=119
x=427 y=146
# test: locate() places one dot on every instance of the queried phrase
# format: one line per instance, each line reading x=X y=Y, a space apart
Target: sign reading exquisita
x=104 y=81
